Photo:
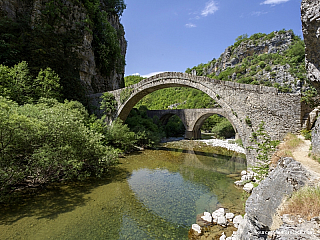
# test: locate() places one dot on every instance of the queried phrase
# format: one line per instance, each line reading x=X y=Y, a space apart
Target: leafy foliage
x=48 y=141
x=223 y=129
x=108 y=104
x=45 y=44
x=17 y=84
x=264 y=147
x=257 y=68
x=147 y=132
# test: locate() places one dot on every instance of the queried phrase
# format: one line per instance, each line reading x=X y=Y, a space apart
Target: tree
x=47 y=85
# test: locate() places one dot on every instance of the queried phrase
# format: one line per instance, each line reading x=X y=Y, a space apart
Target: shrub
x=304 y=203
x=262 y=64
x=306 y=133
x=268 y=68
x=48 y=141
x=224 y=129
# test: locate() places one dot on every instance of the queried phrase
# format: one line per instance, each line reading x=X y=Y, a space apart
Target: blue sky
x=172 y=35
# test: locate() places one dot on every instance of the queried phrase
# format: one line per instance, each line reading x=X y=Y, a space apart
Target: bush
x=16 y=83
x=224 y=129
x=262 y=64
x=306 y=134
x=49 y=141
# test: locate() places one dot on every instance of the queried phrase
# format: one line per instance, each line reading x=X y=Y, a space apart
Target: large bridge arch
x=166 y=80
x=281 y=113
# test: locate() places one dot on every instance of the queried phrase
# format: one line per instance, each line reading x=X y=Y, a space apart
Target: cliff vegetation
x=81 y=40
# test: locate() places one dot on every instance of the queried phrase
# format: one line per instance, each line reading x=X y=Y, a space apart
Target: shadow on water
x=198 y=153
x=55 y=199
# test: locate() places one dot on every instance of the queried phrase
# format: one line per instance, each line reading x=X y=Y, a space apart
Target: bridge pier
x=195 y=134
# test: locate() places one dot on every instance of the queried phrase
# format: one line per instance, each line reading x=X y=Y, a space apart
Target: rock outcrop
x=316 y=138
x=232 y=56
x=261 y=59
x=261 y=206
x=310 y=18
x=72 y=21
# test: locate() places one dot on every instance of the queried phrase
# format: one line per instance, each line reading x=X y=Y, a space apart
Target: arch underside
x=199 y=122
x=146 y=88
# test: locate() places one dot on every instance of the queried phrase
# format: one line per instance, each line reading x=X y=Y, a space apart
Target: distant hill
x=275 y=59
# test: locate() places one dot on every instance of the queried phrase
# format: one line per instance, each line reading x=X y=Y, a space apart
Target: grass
x=305 y=202
x=285 y=149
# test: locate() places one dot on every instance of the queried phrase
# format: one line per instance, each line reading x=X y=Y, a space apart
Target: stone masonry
x=192 y=119
x=245 y=105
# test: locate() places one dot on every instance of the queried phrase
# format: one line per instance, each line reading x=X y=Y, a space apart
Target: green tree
x=48 y=141
x=47 y=85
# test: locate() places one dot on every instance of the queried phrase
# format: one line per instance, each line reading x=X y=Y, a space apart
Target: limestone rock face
x=310 y=17
x=277 y=42
x=316 y=138
x=74 y=20
x=287 y=177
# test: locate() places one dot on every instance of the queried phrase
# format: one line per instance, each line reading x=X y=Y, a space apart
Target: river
x=152 y=194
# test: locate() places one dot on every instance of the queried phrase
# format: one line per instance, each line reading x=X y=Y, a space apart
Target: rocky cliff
x=310 y=18
x=275 y=59
x=83 y=41
x=261 y=206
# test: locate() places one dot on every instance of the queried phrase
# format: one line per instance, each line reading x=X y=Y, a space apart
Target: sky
x=173 y=35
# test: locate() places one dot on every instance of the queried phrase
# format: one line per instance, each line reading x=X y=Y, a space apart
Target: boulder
x=262 y=204
x=222 y=221
x=196 y=228
x=237 y=220
x=207 y=217
x=248 y=187
x=229 y=216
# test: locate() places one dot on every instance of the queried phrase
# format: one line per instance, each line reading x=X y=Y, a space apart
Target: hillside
x=275 y=59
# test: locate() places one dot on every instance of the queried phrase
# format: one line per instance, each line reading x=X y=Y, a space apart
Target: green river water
x=153 y=194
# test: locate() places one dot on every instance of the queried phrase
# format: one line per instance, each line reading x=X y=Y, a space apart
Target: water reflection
x=155 y=194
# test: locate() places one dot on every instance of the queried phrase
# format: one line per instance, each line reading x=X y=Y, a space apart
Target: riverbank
x=267 y=200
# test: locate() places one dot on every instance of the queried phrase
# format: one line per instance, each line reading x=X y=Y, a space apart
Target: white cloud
x=258 y=13
x=190 y=25
x=150 y=74
x=274 y=2
x=211 y=8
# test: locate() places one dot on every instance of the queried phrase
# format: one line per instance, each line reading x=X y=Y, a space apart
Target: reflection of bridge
x=192 y=119
x=245 y=105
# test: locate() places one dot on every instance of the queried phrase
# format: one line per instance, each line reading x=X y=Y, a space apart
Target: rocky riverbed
x=228 y=144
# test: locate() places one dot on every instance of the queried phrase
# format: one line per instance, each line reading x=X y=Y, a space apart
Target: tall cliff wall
x=85 y=47
x=310 y=18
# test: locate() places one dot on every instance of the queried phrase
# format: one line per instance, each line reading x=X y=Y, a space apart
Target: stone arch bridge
x=192 y=119
x=245 y=105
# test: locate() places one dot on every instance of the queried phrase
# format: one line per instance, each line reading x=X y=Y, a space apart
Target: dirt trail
x=300 y=154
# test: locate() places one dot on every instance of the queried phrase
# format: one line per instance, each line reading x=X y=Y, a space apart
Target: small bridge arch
x=281 y=113
x=192 y=119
